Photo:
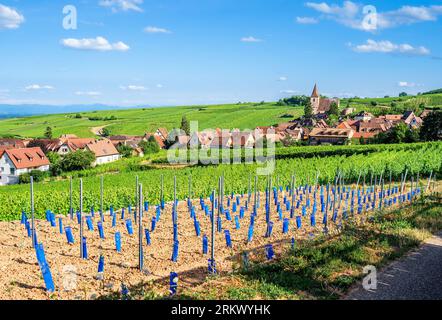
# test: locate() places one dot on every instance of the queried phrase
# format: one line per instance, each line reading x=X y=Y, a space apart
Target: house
x=330 y=136
x=104 y=151
x=222 y=140
x=161 y=135
x=243 y=139
x=158 y=139
x=313 y=122
x=63 y=146
x=15 y=162
x=348 y=111
x=124 y=140
x=14 y=143
x=411 y=120
x=320 y=104
x=365 y=129
x=138 y=152
x=364 y=116
x=295 y=134
x=393 y=118
x=202 y=139
x=269 y=133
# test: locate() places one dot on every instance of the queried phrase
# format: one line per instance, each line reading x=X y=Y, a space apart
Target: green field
x=140 y=121
x=120 y=188
x=228 y=116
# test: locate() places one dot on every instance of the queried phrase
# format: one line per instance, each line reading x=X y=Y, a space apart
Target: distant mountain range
x=26 y=110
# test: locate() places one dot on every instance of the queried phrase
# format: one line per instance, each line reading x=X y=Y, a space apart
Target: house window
x=13 y=171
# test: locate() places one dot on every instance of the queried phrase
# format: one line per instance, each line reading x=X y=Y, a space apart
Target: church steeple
x=315 y=93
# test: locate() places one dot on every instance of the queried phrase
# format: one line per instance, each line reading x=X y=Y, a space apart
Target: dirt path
x=417 y=276
x=97 y=130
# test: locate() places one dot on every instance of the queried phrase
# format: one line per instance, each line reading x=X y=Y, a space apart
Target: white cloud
x=288 y=91
x=151 y=29
x=250 y=39
x=88 y=93
x=283 y=78
x=98 y=44
x=349 y=9
x=38 y=87
x=406 y=84
x=352 y=15
x=389 y=47
x=407 y=15
x=122 y=5
x=306 y=20
x=10 y=18
x=159 y=86
x=133 y=88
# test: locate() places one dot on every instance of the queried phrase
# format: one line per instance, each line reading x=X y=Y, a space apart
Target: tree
x=106 y=132
x=431 y=129
x=374 y=103
x=78 y=116
x=334 y=109
x=185 y=126
x=412 y=135
x=124 y=150
x=38 y=143
x=150 y=146
x=403 y=94
x=55 y=159
x=308 y=110
x=78 y=160
x=48 y=133
x=399 y=133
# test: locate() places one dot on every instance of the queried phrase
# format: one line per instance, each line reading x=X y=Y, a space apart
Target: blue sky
x=176 y=52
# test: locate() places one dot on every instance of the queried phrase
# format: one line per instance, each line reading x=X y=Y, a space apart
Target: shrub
x=78 y=160
x=150 y=146
x=36 y=174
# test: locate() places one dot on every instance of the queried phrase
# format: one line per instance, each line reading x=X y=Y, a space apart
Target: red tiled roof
x=27 y=157
x=331 y=132
x=315 y=93
x=102 y=148
x=15 y=143
x=163 y=132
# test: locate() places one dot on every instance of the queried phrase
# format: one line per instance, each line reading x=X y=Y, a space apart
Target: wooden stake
x=32 y=212
x=81 y=218
x=140 y=228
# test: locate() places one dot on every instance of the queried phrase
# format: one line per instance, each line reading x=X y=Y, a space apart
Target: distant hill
x=138 y=121
x=24 y=110
x=433 y=91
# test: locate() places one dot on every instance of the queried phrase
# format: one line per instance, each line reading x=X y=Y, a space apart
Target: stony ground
x=74 y=278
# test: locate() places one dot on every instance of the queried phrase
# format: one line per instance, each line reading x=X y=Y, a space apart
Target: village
x=23 y=156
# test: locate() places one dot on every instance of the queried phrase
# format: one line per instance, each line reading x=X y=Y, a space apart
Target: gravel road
x=417 y=276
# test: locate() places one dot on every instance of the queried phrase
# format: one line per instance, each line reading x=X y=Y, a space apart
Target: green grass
x=140 y=121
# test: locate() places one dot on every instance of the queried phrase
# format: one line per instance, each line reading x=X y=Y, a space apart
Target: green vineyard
x=119 y=189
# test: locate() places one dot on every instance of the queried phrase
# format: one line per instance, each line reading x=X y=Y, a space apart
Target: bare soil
x=75 y=278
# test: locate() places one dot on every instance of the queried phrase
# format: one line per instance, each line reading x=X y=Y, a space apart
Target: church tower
x=315 y=100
